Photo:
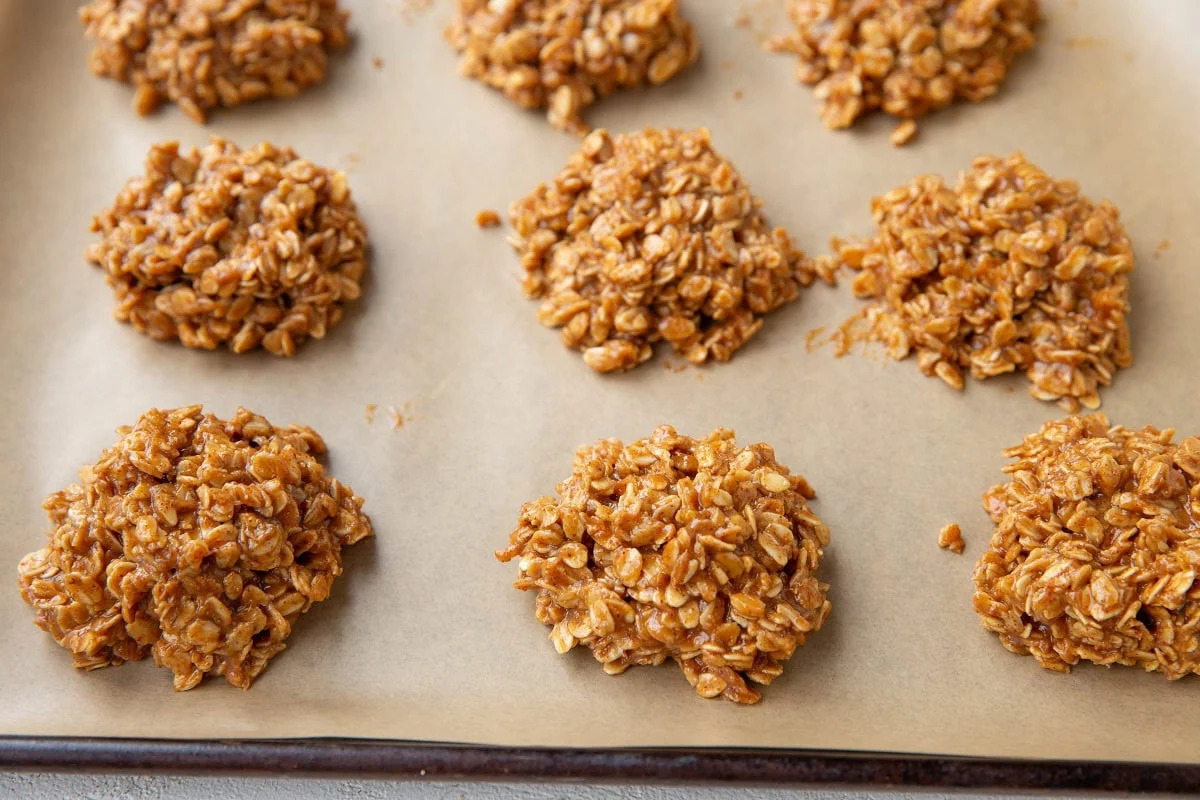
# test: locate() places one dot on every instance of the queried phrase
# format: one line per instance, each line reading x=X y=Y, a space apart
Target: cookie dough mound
x=672 y=547
x=650 y=236
x=221 y=246
x=907 y=58
x=1096 y=548
x=1007 y=270
x=196 y=539
x=565 y=55
x=200 y=55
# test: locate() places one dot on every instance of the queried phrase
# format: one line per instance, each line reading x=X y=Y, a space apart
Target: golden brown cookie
x=196 y=539
x=672 y=547
x=1096 y=548
x=906 y=57
x=652 y=236
x=564 y=55
x=1007 y=270
x=228 y=247
x=201 y=55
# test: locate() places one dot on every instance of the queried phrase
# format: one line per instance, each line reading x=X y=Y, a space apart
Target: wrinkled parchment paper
x=423 y=638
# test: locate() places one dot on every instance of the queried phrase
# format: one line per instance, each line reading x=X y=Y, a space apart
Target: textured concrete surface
x=140 y=787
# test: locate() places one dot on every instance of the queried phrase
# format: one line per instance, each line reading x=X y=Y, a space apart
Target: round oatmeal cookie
x=673 y=547
x=1096 y=548
x=196 y=539
x=564 y=55
x=221 y=246
x=201 y=55
x=907 y=57
x=1007 y=270
x=650 y=236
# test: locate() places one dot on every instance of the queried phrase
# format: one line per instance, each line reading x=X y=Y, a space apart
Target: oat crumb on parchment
x=410 y=10
x=950 y=538
x=904 y=132
x=487 y=218
x=817 y=337
x=1085 y=42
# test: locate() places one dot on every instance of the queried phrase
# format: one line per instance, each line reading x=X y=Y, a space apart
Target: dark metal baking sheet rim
x=363 y=757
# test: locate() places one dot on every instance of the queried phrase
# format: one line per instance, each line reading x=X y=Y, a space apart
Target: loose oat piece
x=196 y=539
x=950 y=538
x=904 y=132
x=201 y=55
x=1008 y=270
x=907 y=57
x=672 y=547
x=221 y=246
x=487 y=218
x=651 y=236
x=1096 y=548
x=565 y=55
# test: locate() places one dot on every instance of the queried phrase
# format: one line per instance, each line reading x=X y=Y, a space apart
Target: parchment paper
x=423 y=638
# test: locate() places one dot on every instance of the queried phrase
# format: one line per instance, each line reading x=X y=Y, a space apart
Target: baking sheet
x=423 y=639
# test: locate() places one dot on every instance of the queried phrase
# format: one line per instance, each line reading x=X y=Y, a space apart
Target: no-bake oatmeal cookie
x=672 y=547
x=906 y=57
x=228 y=247
x=1008 y=269
x=1096 y=548
x=652 y=236
x=197 y=540
x=564 y=55
x=201 y=55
